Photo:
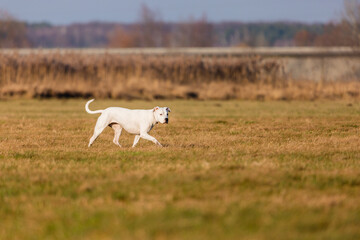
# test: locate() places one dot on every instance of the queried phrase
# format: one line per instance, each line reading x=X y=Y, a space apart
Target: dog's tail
x=89 y=111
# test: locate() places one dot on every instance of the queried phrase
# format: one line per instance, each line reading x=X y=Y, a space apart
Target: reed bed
x=75 y=75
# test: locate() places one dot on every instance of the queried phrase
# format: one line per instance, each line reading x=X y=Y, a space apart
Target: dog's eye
x=160 y=114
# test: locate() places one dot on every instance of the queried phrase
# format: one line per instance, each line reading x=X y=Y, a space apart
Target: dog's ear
x=168 y=109
x=155 y=108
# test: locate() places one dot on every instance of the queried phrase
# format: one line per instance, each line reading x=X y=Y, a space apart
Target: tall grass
x=147 y=77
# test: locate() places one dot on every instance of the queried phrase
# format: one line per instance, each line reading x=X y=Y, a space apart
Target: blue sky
x=71 y=11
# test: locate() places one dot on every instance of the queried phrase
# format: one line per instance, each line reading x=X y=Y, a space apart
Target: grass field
x=229 y=170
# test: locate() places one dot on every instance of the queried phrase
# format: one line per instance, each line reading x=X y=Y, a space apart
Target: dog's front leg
x=151 y=138
x=136 y=140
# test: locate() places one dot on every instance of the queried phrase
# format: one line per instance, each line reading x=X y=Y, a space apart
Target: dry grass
x=134 y=76
x=69 y=75
x=230 y=169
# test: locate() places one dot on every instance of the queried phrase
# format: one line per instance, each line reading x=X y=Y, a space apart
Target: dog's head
x=161 y=114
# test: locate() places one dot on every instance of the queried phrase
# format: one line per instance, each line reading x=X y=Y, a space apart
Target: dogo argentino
x=137 y=121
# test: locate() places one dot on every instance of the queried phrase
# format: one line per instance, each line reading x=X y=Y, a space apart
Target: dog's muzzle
x=166 y=120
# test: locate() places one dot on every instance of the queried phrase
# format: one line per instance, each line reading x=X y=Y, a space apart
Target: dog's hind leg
x=117 y=129
x=101 y=124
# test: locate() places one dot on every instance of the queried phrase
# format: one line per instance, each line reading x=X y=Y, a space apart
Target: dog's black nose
x=166 y=120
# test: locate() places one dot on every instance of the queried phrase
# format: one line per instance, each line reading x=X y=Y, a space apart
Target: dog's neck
x=154 y=119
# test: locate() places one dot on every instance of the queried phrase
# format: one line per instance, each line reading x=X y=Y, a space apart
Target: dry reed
x=156 y=77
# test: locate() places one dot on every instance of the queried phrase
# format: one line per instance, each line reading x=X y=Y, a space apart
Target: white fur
x=138 y=122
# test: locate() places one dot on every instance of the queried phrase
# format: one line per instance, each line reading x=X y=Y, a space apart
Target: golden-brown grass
x=134 y=76
x=157 y=77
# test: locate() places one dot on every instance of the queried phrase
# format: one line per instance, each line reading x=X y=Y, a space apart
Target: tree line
x=151 y=31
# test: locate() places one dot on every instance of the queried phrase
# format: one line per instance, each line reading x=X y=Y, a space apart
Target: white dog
x=138 y=122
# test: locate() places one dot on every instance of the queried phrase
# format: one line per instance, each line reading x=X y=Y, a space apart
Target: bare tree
x=193 y=33
x=12 y=32
x=150 y=28
x=123 y=38
x=148 y=31
x=351 y=20
x=345 y=32
x=304 y=38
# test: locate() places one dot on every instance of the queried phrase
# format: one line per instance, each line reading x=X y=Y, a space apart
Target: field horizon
x=229 y=170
